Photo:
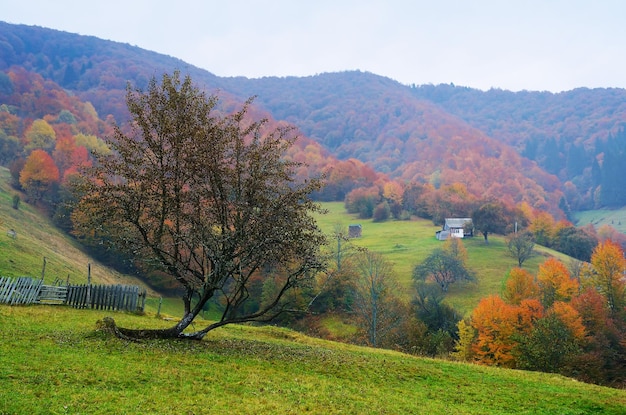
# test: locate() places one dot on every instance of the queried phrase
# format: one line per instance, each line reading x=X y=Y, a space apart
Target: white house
x=455 y=228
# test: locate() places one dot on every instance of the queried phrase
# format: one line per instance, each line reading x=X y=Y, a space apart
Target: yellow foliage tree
x=40 y=135
x=607 y=274
x=555 y=282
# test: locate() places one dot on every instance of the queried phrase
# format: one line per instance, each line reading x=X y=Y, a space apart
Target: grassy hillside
x=54 y=361
x=37 y=238
x=406 y=243
x=614 y=217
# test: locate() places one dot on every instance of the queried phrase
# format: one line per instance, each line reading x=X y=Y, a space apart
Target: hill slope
x=53 y=361
x=37 y=238
x=353 y=114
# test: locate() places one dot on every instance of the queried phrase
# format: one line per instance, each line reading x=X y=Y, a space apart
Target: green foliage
x=548 y=347
x=40 y=135
x=491 y=217
x=575 y=242
x=9 y=147
x=67 y=117
x=443 y=268
x=429 y=308
x=16 y=202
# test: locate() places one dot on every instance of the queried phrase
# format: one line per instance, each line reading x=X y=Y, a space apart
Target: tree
x=575 y=242
x=207 y=200
x=490 y=218
x=555 y=282
x=40 y=135
x=607 y=276
x=521 y=246
x=432 y=311
x=520 y=285
x=444 y=268
x=377 y=309
x=494 y=322
x=549 y=346
x=463 y=346
x=38 y=174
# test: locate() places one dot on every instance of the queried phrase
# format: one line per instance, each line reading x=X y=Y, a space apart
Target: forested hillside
x=556 y=152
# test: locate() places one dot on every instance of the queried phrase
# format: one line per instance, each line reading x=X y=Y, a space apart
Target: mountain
x=546 y=149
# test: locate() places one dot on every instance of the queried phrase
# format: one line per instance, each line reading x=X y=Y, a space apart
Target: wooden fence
x=22 y=290
x=26 y=290
x=107 y=297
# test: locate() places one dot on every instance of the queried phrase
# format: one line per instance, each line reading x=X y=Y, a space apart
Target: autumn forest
x=389 y=152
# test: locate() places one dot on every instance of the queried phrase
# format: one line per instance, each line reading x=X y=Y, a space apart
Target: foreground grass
x=54 y=361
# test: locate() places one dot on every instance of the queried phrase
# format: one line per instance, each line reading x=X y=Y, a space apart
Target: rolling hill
x=542 y=147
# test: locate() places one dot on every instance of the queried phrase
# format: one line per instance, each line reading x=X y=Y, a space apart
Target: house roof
x=457 y=222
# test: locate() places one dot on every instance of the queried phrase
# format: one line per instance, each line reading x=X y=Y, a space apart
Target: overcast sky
x=537 y=45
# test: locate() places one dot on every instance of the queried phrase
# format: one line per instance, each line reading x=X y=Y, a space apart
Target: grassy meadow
x=54 y=360
x=614 y=217
x=406 y=243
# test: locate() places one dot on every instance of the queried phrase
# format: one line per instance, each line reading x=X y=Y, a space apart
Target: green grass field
x=406 y=243
x=613 y=217
x=54 y=361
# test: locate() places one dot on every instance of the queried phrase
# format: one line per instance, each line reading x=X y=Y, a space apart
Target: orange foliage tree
x=520 y=285
x=555 y=283
x=38 y=174
x=494 y=322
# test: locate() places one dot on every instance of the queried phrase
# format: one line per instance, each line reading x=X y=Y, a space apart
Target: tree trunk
x=174 y=332
x=486 y=238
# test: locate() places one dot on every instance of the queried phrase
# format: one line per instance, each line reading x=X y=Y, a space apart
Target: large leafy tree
x=491 y=217
x=207 y=199
x=39 y=174
x=555 y=282
x=607 y=275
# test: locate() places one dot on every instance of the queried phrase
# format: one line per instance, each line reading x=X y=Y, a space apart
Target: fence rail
x=26 y=290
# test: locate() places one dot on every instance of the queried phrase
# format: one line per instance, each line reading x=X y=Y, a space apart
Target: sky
x=535 y=45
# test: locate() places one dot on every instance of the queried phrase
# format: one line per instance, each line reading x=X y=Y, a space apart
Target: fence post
x=159 y=309
x=89 y=283
x=43 y=269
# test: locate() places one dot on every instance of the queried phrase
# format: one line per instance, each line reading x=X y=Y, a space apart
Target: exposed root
x=108 y=325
